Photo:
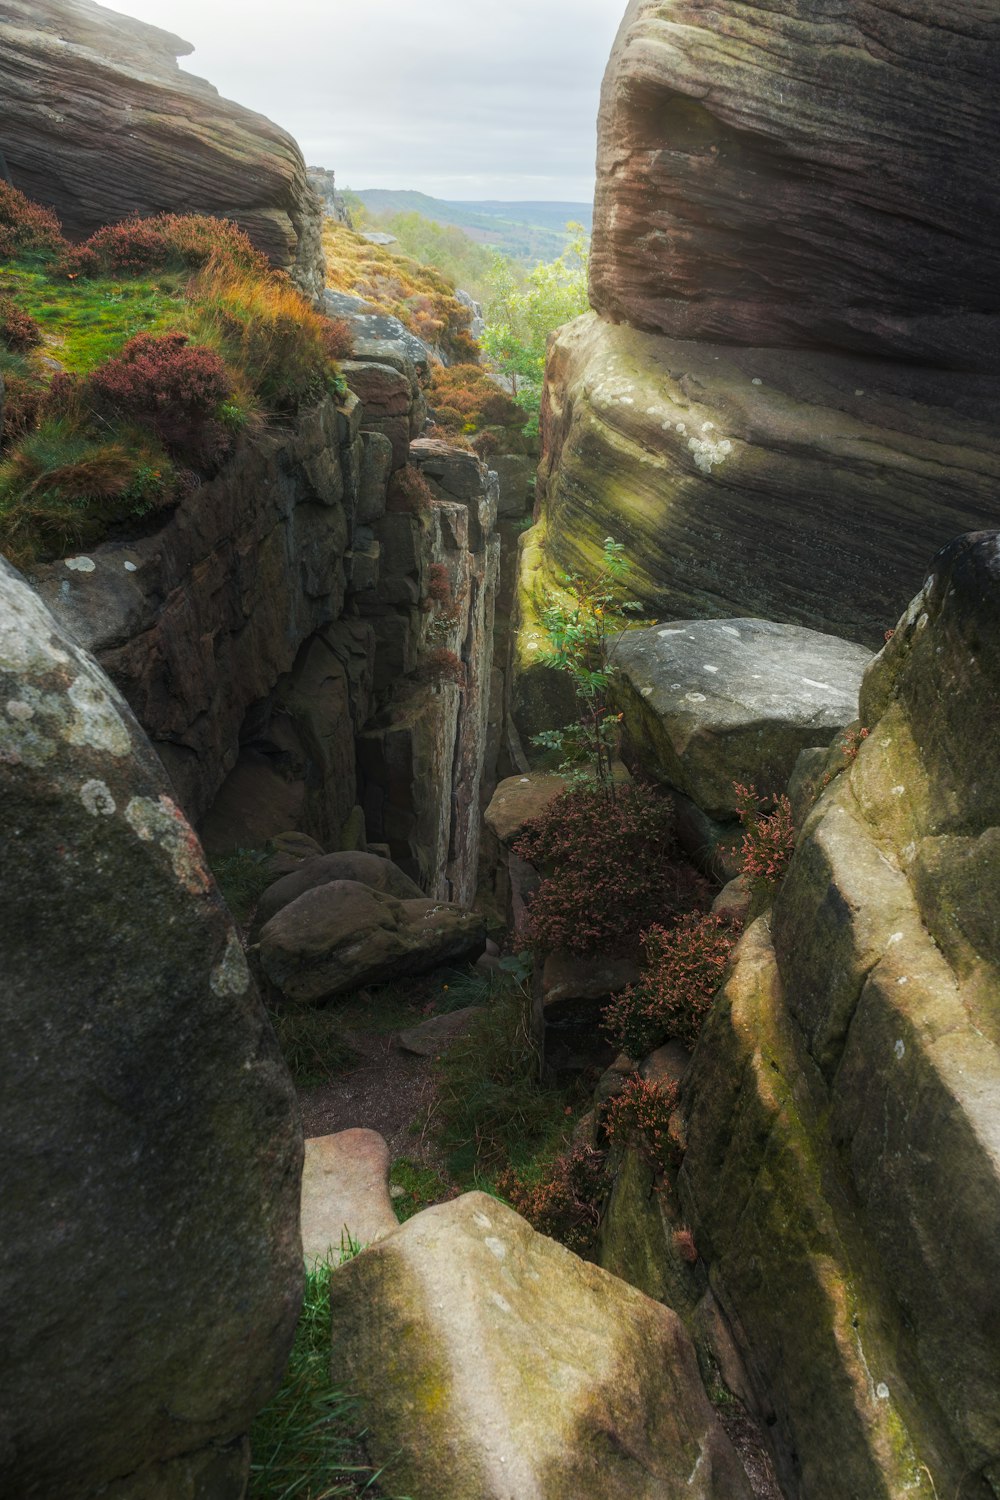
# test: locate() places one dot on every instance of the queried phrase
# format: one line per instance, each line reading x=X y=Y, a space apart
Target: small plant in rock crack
x=685 y=967
x=768 y=836
x=567 y=1201
x=641 y=1114
x=583 y=622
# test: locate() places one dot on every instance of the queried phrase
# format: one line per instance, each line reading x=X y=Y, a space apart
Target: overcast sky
x=458 y=98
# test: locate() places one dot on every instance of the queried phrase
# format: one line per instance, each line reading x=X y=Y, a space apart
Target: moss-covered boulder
x=151 y=1266
x=843 y=1170
x=494 y=1363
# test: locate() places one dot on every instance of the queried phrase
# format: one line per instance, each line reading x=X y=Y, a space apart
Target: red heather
x=641 y=1113
x=567 y=1202
x=768 y=837
x=686 y=966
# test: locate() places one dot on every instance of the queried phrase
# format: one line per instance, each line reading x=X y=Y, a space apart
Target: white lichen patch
x=130 y=567
x=18 y=710
x=708 y=451
x=97 y=799
x=230 y=978
x=162 y=822
x=81 y=564
x=96 y=721
x=501 y=1302
x=709 y=669
x=695 y=698
x=496 y=1247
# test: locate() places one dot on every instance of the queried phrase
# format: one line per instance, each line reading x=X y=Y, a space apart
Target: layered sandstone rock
x=785 y=402
x=100 y=123
x=773 y=176
x=546 y=1379
x=151 y=1265
x=843 y=1166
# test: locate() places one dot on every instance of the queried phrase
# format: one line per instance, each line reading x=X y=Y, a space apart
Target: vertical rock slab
x=843 y=1163
x=151 y=1265
x=100 y=123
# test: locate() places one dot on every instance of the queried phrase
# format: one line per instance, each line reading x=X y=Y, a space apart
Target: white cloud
x=459 y=98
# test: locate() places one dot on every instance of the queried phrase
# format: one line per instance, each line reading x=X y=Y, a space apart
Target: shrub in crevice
x=611 y=868
x=685 y=965
x=567 y=1201
x=768 y=836
x=640 y=1115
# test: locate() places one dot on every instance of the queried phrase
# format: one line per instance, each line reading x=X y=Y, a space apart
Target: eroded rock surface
x=708 y=702
x=546 y=1379
x=100 y=123
x=843 y=1169
x=151 y=1263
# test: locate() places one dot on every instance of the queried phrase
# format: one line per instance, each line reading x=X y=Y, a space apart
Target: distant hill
x=527 y=231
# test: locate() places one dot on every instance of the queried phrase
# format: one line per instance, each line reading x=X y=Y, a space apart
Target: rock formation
x=785 y=401
x=545 y=1379
x=842 y=1173
x=151 y=1266
x=278 y=642
x=99 y=123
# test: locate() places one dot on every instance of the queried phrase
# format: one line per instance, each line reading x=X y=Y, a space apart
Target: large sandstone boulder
x=799 y=486
x=709 y=702
x=843 y=1170
x=736 y=157
x=493 y=1363
x=342 y=935
x=132 y=133
x=151 y=1266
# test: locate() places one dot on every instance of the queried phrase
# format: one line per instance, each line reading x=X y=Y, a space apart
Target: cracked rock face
x=99 y=123
x=151 y=1265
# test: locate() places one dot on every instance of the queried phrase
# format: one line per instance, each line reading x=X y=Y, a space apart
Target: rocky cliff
x=784 y=401
x=308 y=640
x=99 y=123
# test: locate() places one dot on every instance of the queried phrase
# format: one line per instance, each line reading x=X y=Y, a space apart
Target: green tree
x=522 y=309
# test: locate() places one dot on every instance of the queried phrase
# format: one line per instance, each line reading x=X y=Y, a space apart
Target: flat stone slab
x=710 y=702
x=436 y=1035
x=345 y=1193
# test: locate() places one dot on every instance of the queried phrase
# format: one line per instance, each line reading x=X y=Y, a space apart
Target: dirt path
x=389 y=1091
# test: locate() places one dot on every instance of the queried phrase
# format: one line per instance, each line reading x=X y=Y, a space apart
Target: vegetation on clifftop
x=132 y=363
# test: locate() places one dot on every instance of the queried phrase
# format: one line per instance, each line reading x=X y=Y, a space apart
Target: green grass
x=306 y=1445
x=422 y=1186
x=242 y=877
x=86 y=322
x=312 y=1043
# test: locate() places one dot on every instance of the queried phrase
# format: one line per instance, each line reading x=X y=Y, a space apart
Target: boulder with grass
x=343 y=935
x=495 y=1363
x=151 y=1265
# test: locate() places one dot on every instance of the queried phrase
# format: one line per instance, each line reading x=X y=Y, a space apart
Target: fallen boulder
x=345 y=1194
x=710 y=702
x=494 y=1363
x=343 y=935
x=349 y=864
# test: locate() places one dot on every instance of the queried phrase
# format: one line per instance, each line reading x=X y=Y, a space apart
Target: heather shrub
x=408 y=491
x=463 y=399
x=610 y=868
x=24 y=395
x=640 y=1115
x=438 y=583
x=173 y=388
x=25 y=226
x=442 y=665
x=768 y=837
x=685 y=967
x=18 y=330
x=567 y=1201
x=265 y=328
x=167 y=241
